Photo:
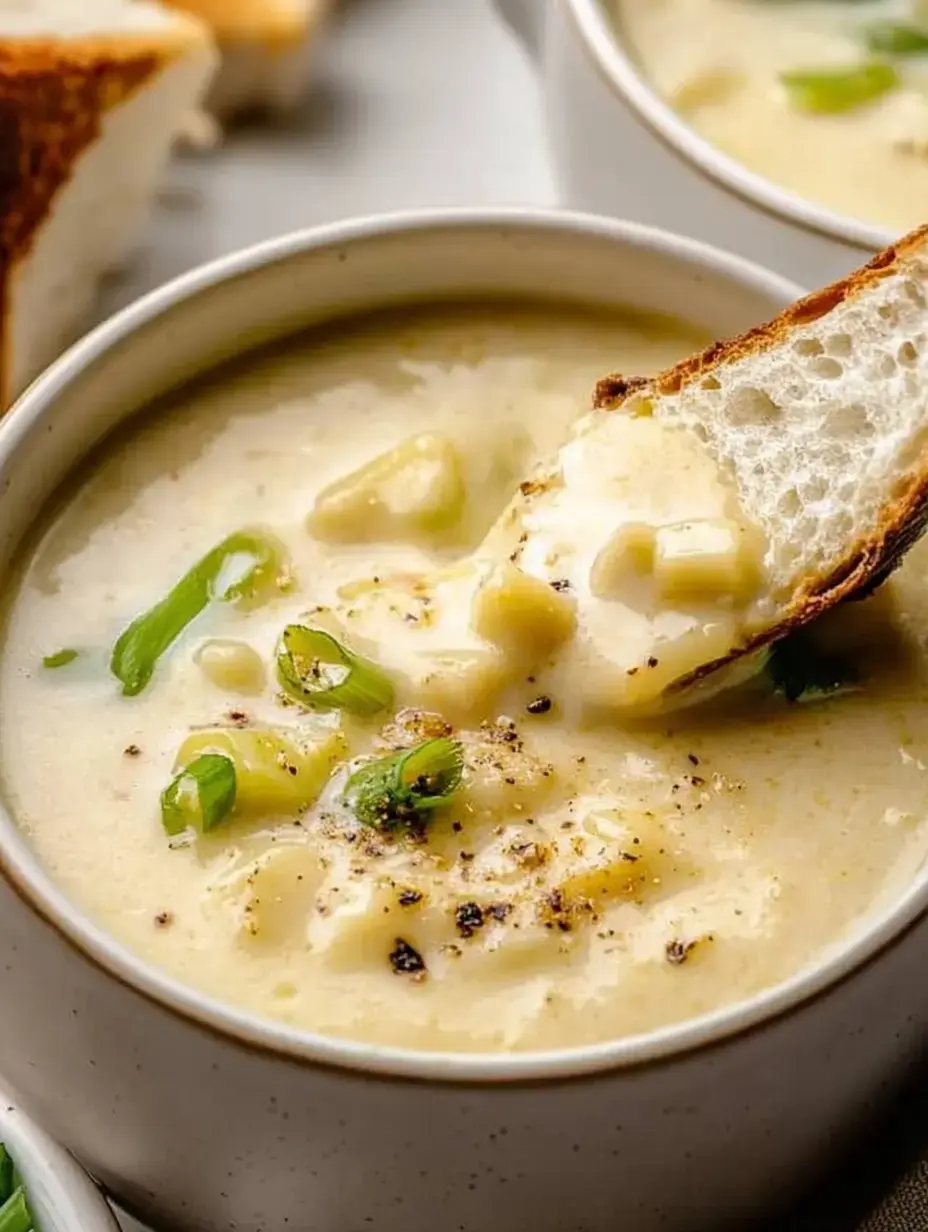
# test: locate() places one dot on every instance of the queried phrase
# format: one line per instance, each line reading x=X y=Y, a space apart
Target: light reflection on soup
x=582 y=880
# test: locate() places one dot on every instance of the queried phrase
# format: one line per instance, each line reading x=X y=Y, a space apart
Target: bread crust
x=54 y=94
x=904 y=517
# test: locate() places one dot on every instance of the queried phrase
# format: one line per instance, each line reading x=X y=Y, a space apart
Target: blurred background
x=410 y=102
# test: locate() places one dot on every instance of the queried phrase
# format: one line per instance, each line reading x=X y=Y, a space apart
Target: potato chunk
x=278 y=893
x=705 y=559
x=613 y=857
x=231 y=665
x=626 y=558
x=414 y=491
x=522 y=614
x=278 y=770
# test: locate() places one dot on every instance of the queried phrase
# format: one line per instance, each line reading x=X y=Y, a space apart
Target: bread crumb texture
x=821 y=419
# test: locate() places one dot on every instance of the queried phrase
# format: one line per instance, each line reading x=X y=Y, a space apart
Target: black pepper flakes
x=406 y=960
x=693 y=758
x=560 y=585
x=540 y=705
x=677 y=951
x=468 y=917
x=409 y=898
x=164 y=919
x=132 y=750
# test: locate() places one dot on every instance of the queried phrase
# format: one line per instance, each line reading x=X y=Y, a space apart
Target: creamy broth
x=720 y=64
x=587 y=881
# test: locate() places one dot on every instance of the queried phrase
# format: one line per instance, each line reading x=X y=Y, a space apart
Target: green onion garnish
x=7 y=1183
x=830 y=91
x=404 y=788
x=802 y=673
x=317 y=671
x=890 y=39
x=14 y=1213
x=242 y=567
x=201 y=796
x=61 y=658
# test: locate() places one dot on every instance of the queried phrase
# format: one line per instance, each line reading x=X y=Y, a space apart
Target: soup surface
x=579 y=878
x=828 y=98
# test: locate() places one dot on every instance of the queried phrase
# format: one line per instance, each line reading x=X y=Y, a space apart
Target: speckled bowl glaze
x=199 y=1116
x=62 y=1197
x=619 y=149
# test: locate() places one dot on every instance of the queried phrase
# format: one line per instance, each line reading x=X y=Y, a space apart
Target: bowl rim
x=618 y=71
x=232 y=1026
x=64 y=1195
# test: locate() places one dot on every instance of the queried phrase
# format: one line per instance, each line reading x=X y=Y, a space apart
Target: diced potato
x=361 y=923
x=626 y=558
x=503 y=780
x=673 y=658
x=414 y=491
x=703 y=559
x=459 y=685
x=231 y=665
x=278 y=770
x=279 y=896
x=522 y=614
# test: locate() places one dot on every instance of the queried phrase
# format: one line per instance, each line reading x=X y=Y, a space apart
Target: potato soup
x=261 y=724
x=827 y=98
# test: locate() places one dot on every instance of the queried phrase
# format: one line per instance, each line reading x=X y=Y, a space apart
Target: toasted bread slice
x=264 y=45
x=700 y=515
x=91 y=97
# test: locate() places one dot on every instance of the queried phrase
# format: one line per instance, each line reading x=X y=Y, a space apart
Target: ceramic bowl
x=619 y=149
x=199 y=1116
x=62 y=1197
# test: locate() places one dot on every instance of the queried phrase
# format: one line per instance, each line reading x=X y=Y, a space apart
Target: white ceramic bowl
x=200 y=1116
x=62 y=1197
x=619 y=149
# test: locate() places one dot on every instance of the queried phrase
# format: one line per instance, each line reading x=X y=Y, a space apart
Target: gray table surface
x=414 y=103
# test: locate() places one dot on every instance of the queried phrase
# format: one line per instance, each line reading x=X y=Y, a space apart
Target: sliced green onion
x=892 y=39
x=831 y=91
x=802 y=673
x=317 y=671
x=14 y=1214
x=241 y=568
x=6 y=1174
x=61 y=658
x=201 y=796
x=404 y=788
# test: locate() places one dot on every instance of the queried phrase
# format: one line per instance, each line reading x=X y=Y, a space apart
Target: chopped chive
x=6 y=1174
x=61 y=658
x=893 y=39
x=201 y=796
x=317 y=671
x=406 y=787
x=14 y=1214
x=242 y=567
x=832 y=91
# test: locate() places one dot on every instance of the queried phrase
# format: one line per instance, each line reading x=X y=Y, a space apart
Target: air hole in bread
x=827 y=367
x=710 y=383
x=789 y=503
x=914 y=292
x=888 y=312
x=815 y=489
x=808 y=347
x=839 y=344
x=886 y=366
x=850 y=420
x=749 y=405
x=907 y=354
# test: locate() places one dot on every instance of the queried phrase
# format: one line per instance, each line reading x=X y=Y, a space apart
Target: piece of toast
x=264 y=46
x=91 y=98
x=818 y=422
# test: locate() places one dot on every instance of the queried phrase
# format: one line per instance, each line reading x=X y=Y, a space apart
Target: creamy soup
x=259 y=724
x=829 y=98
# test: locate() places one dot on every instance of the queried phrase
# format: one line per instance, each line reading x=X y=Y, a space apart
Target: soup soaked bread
x=828 y=98
x=296 y=721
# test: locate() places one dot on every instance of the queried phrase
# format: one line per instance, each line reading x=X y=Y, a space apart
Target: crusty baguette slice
x=91 y=98
x=818 y=421
x=264 y=45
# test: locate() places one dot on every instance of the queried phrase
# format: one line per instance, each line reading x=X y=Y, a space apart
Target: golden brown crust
x=612 y=391
x=903 y=518
x=53 y=95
